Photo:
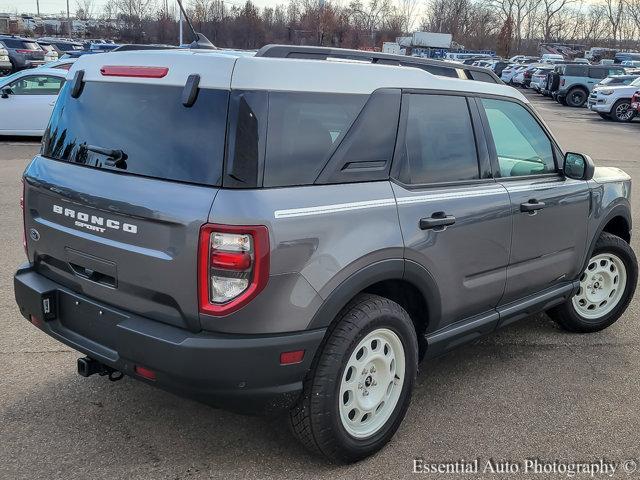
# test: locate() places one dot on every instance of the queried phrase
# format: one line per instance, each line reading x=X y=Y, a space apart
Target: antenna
x=199 y=40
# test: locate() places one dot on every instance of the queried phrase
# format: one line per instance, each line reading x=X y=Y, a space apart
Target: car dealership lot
x=529 y=391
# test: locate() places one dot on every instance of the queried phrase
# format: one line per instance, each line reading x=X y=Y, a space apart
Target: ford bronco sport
x=278 y=234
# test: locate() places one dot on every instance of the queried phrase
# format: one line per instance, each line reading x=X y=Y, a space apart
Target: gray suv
x=278 y=234
x=23 y=52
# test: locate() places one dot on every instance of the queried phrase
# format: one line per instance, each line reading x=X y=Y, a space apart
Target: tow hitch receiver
x=88 y=366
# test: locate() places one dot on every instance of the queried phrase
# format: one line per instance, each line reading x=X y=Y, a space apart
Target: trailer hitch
x=88 y=366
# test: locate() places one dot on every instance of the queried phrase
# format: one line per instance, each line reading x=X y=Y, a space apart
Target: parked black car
x=63 y=46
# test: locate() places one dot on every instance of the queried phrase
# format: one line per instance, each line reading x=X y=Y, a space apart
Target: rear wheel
x=360 y=384
x=622 y=111
x=576 y=97
x=606 y=288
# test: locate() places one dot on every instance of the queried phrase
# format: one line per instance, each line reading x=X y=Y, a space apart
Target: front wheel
x=606 y=288
x=622 y=111
x=359 y=387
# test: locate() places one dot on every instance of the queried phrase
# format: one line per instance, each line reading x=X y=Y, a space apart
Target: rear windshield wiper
x=115 y=158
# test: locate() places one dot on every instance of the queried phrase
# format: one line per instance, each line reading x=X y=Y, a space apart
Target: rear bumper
x=239 y=373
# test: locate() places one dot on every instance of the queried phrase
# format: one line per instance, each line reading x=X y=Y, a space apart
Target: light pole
x=68 y=19
x=180 y=25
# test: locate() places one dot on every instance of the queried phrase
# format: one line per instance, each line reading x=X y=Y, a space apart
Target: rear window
x=160 y=137
x=21 y=44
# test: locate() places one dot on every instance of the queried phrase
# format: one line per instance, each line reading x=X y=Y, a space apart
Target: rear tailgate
x=31 y=51
x=127 y=234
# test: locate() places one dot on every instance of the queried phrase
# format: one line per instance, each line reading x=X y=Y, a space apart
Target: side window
x=302 y=131
x=480 y=76
x=599 y=73
x=439 y=141
x=522 y=146
x=37 y=85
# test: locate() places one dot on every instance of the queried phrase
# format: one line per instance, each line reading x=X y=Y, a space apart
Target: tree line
x=507 y=26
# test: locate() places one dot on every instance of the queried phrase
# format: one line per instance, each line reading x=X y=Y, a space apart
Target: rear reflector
x=144 y=372
x=130 y=71
x=36 y=321
x=291 y=358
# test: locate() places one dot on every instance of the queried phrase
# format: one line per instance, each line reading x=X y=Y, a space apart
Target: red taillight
x=24 y=51
x=130 y=71
x=233 y=266
x=144 y=372
x=291 y=358
x=24 y=221
x=562 y=82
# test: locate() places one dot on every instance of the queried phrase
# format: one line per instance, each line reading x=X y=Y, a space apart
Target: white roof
x=237 y=71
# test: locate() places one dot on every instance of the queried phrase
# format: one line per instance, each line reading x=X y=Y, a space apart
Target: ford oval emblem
x=34 y=234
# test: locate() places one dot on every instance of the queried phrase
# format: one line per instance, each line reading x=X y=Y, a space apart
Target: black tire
x=622 y=111
x=315 y=420
x=566 y=314
x=604 y=115
x=562 y=100
x=576 y=97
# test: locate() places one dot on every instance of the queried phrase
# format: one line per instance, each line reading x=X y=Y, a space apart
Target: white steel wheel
x=602 y=286
x=372 y=383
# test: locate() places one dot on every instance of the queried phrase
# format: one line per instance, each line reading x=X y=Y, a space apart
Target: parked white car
x=27 y=99
x=5 y=63
x=614 y=101
x=510 y=72
x=539 y=77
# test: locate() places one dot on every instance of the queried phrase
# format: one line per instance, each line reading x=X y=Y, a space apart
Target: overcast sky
x=57 y=6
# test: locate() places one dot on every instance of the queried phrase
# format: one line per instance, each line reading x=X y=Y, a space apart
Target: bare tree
x=407 y=12
x=614 y=11
x=84 y=9
x=551 y=11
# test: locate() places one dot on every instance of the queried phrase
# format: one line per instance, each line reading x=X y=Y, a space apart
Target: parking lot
x=530 y=391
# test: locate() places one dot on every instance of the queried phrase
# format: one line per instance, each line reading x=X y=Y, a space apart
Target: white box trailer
x=391 y=47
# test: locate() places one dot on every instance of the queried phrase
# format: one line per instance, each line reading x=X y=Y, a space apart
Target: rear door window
x=439 y=144
x=158 y=136
x=303 y=130
x=598 y=72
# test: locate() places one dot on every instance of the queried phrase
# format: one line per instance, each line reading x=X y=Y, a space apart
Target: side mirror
x=578 y=166
x=6 y=91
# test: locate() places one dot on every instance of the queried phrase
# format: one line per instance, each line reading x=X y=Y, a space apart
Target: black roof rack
x=437 y=67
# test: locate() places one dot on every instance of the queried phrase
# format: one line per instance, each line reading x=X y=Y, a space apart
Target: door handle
x=531 y=206
x=439 y=219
